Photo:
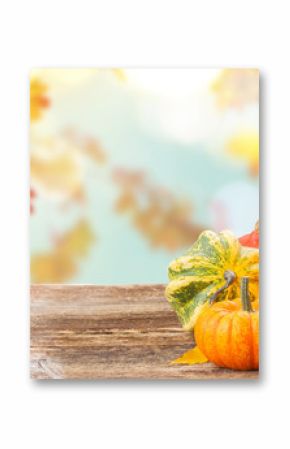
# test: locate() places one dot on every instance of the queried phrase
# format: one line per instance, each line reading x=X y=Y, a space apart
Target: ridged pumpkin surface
x=228 y=335
x=196 y=276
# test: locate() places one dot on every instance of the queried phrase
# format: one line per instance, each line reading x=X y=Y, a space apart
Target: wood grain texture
x=111 y=332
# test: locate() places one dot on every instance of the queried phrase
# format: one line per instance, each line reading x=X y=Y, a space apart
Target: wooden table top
x=111 y=332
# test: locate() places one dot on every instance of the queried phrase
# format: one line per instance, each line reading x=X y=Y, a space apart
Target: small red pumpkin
x=251 y=240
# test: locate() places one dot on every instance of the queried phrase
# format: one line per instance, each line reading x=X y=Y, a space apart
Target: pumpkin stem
x=246 y=303
x=229 y=277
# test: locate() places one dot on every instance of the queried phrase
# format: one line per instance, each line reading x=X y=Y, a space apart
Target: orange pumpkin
x=227 y=332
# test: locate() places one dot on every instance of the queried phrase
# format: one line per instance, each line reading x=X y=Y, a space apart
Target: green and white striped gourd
x=210 y=270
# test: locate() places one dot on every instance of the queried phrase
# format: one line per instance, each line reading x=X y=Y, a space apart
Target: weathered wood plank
x=110 y=332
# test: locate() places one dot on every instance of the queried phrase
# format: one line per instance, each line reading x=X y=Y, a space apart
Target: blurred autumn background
x=128 y=166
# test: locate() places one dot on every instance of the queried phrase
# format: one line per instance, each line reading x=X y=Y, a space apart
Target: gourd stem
x=245 y=294
x=230 y=277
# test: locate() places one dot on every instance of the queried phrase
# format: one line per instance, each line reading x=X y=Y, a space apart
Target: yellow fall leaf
x=77 y=241
x=38 y=99
x=120 y=74
x=246 y=146
x=61 y=263
x=191 y=357
x=52 y=267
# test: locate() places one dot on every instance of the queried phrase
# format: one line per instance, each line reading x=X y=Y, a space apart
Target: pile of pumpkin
x=214 y=290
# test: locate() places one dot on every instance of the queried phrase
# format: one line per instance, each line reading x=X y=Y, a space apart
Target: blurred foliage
x=94 y=116
x=245 y=146
x=56 y=168
x=32 y=198
x=57 y=163
x=236 y=87
x=120 y=74
x=86 y=145
x=39 y=101
x=162 y=218
x=61 y=263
